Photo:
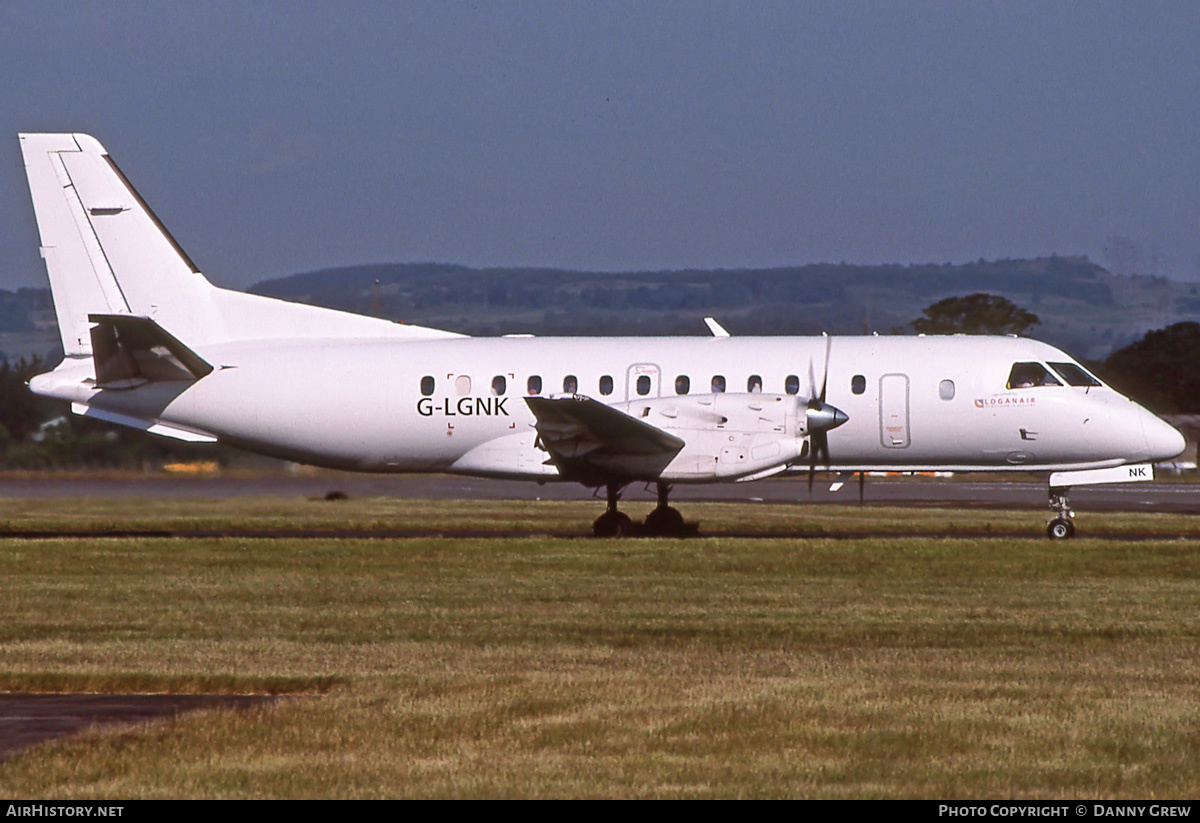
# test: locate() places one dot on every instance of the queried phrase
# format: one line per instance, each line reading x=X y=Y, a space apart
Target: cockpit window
x=1028 y=375
x=1074 y=374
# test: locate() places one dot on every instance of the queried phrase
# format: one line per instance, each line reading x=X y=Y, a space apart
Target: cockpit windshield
x=1074 y=374
x=1029 y=375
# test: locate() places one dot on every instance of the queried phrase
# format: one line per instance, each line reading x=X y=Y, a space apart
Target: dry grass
x=543 y=667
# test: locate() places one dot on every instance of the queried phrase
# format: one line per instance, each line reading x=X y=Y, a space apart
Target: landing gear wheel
x=1060 y=528
x=612 y=524
x=664 y=521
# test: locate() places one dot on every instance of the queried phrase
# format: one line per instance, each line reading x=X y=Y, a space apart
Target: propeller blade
x=820 y=417
x=818 y=443
x=861 y=482
x=825 y=375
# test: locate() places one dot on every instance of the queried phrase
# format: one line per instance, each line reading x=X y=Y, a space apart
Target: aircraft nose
x=1163 y=441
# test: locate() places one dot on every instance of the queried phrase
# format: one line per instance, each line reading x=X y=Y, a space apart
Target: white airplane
x=150 y=343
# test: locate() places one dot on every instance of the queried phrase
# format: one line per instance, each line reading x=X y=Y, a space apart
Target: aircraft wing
x=589 y=441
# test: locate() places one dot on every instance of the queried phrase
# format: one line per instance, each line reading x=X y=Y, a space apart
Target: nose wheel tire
x=1060 y=528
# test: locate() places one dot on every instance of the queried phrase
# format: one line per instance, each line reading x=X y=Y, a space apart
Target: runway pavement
x=29 y=719
x=975 y=490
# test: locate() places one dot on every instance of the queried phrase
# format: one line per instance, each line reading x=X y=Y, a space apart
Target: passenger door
x=893 y=411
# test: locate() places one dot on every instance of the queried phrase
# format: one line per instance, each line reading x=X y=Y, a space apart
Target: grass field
x=538 y=666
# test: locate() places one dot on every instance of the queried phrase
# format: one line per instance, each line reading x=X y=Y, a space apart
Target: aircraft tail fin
x=105 y=250
x=108 y=254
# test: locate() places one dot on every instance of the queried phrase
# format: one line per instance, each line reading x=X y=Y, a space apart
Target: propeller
x=821 y=417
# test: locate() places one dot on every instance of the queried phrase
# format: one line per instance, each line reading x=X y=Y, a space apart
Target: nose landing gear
x=1061 y=526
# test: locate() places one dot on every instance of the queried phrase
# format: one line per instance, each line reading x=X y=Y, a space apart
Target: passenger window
x=946 y=390
x=462 y=385
x=718 y=383
x=791 y=384
x=533 y=385
x=570 y=384
x=643 y=385
x=606 y=385
x=499 y=385
x=858 y=384
x=1029 y=375
x=683 y=384
x=754 y=384
x=1074 y=374
x=427 y=385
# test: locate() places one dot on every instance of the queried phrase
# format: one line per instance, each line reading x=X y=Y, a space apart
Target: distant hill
x=1081 y=305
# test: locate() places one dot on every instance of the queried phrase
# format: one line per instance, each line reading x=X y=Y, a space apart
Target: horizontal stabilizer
x=178 y=433
x=129 y=351
x=590 y=441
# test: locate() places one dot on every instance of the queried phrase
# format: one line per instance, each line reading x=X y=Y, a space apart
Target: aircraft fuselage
x=457 y=405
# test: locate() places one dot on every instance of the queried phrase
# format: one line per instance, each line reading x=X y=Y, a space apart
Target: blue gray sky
x=273 y=138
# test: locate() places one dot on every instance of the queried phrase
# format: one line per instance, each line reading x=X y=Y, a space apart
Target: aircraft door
x=642 y=380
x=893 y=411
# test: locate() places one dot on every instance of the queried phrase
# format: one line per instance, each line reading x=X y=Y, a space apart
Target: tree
x=22 y=411
x=975 y=314
x=1160 y=369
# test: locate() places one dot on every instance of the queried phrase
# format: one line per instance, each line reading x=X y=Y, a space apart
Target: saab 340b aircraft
x=150 y=343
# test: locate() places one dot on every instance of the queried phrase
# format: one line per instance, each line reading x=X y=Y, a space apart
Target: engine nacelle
x=726 y=435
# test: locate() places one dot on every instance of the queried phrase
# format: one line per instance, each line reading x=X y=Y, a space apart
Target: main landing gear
x=613 y=523
x=1061 y=526
x=664 y=521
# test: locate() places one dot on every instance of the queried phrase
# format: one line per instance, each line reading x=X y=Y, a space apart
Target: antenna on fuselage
x=716 y=328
